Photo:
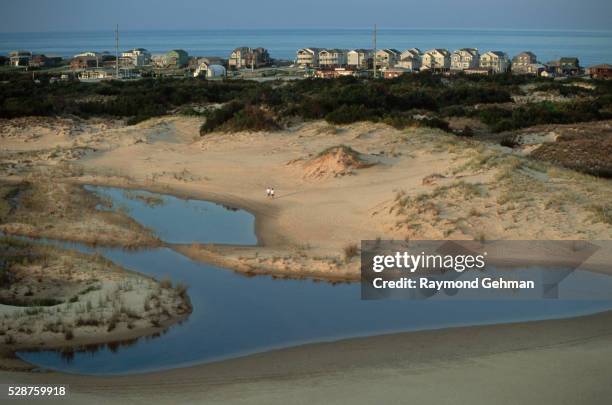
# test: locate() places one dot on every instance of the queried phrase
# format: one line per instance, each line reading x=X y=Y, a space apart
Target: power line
x=117 y=51
x=374 y=56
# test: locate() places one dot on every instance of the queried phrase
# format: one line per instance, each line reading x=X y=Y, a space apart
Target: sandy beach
x=560 y=362
x=398 y=185
x=336 y=186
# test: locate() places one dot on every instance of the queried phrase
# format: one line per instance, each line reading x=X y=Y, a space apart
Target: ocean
x=590 y=46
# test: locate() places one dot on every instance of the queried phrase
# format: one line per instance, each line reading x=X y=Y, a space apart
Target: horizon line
x=112 y=28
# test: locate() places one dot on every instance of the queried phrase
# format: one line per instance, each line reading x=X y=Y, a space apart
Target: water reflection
x=234 y=314
x=177 y=220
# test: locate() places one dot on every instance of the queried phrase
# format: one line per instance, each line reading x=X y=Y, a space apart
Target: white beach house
x=495 y=61
x=436 y=58
x=465 y=58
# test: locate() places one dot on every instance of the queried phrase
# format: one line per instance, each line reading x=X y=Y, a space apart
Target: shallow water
x=177 y=220
x=235 y=315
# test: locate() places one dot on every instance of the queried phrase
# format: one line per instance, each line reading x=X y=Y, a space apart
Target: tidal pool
x=177 y=220
x=235 y=315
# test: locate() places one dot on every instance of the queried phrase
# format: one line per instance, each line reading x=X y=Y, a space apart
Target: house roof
x=531 y=56
x=499 y=54
x=389 y=51
x=601 y=66
x=312 y=50
x=529 y=53
x=568 y=61
x=471 y=51
x=84 y=57
x=443 y=51
x=412 y=53
x=177 y=52
x=564 y=61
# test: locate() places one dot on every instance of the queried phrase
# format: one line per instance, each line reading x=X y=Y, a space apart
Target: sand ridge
x=479 y=191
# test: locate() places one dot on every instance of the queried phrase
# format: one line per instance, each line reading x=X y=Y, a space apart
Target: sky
x=83 y=15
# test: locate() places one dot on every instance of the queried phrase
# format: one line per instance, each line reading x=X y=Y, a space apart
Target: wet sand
x=546 y=362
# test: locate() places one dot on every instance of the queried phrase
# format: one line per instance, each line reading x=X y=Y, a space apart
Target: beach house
x=394 y=72
x=88 y=54
x=43 y=61
x=158 y=60
x=212 y=60
x=436 y=59
x=411 y=53
x=135 y=57
x=176 y=58
x=602 y=71
x=20 y=58
x=84 y=62
x=94 y=75
x=386 y=58
x=411 y=63
x=308 y=57
x=332 y=58
x=465 y=58
x=245 y=57
x=209 y=71
x=360 y=58
x=567 y=66
x=525 y=63
x=495 y=61
x=334 y=73
x=410 y=59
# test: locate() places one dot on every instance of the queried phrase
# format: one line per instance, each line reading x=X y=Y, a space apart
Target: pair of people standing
x=270 y=192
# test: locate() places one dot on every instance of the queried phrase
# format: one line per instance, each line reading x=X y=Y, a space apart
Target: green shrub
x=351 y=250
x=339 y=101
x=499 y=119
x=251 y=118
x=435 y=122
x=509 y=141
x=220 y=116
x=347 y=114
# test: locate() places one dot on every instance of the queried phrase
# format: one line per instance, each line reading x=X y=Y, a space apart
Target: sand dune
x=427 y=185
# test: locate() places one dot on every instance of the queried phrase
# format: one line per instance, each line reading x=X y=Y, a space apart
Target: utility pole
x=117 y=52
x=374 y=56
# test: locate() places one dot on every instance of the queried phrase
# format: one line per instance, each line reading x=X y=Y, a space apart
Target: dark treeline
x=265 y=106
x=136 y=100
x=546 y=112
